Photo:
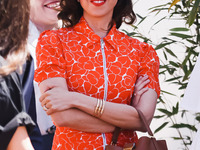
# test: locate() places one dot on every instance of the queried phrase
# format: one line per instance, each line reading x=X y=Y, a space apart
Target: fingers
x=141 y=82
x=46 y=103
x=47 y=106
x=49 y=112
x=45 y=98
x=42 y=97
x=140 y=88
x=55 y=100
x=139 y=93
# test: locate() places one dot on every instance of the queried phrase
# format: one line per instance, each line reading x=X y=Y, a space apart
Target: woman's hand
x=56 y=99
x=140 y=88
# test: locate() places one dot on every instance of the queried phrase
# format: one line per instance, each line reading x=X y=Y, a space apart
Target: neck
x=100 y=25
x=42 y=28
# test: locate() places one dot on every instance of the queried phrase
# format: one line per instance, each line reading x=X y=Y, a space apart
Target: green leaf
x=175 y=109
x=198 y=118
x=159 y=6
x=162 y=45
x=159 y=21
x=174 y=64
x=168 y=113
x=170 y=52
x=191 y=41
x=183 y=112
x=142 y=19
x=168 y=93
x=171 y=70
x=177 y=138
x=165 y=55
x=161 y=100
x=174 y=78
x=183 y=36
x=161 y=127
x=159 y=116
x=179 y=29
x=193 y=13
x=131 y=33
x=183 y=125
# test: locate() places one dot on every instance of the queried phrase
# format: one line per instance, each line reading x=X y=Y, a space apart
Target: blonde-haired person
x=14 y=121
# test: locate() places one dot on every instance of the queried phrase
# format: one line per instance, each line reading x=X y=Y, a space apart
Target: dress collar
x=89 y=38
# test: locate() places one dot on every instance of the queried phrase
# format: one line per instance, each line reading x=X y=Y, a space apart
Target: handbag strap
x=144 y=121
x=117 y=129
x=115 y=135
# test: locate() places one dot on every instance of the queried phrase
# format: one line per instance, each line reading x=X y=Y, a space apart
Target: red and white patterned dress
x=102 y=68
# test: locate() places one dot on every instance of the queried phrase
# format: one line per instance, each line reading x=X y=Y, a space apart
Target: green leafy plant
x=174 y=70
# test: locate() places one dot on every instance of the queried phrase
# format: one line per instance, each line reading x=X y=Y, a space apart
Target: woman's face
x=98 y=8
x=43 y=12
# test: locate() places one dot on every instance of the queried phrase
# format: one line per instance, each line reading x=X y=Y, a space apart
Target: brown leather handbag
x=144 y=142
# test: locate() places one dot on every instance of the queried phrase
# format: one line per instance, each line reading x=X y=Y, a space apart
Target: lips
x=53 y=5
x=98 y=2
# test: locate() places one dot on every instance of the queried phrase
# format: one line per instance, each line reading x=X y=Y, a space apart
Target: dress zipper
x=105 y=82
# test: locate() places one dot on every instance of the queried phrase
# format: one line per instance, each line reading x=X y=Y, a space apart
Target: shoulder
x=141 y=47
x=48 y=34
x=52 y=35
x=134 y=44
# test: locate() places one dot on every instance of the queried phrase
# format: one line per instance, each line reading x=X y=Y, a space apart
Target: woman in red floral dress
x=87 y=74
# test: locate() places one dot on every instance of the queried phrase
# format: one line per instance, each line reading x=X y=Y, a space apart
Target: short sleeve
x=7 y=131
x=149 y=65
x=49 y=56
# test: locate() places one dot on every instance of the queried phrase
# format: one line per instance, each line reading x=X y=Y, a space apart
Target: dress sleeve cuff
x=7 y=131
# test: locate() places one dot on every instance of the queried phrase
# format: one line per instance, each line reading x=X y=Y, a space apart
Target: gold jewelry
x=99 y=108
x=96 y=108
x=103 y=106
x=45 y=108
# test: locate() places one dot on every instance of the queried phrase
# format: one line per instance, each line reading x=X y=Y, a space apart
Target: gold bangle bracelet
x=100 y=107
x=103 y=106
x=96 y=108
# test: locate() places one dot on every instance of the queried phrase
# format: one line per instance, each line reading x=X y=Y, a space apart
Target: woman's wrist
x=75 y=100
x=98 y=110
x=85 y=103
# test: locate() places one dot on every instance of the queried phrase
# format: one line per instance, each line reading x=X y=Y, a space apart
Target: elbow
x=142 y=127
x=58 y=120
x=58 y=123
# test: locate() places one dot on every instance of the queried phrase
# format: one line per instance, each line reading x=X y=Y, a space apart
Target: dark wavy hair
x=14 y=19
x=71 y=12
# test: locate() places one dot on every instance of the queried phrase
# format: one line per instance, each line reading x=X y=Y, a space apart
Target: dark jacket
x=12 y=108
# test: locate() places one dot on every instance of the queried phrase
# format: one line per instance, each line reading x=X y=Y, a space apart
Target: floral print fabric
x=76 y=54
